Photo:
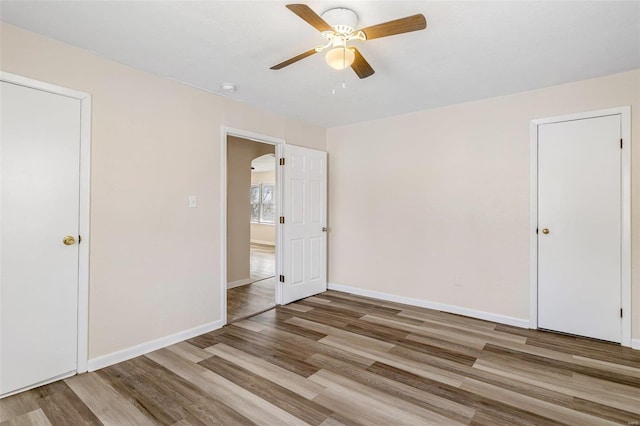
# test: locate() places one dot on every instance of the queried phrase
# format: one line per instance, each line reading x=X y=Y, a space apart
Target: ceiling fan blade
x=360 y=65
x=312 y=18
x=398 y=26
x=294 y=59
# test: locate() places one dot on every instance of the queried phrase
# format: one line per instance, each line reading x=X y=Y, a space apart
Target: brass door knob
x=545 y=231
x=68 y=240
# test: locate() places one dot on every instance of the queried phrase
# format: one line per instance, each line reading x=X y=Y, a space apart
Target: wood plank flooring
x=260 y=295
x=262 y=261
x=251 y=299
x=340 y=359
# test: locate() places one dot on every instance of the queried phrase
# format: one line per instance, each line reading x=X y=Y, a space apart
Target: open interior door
x=304 y=233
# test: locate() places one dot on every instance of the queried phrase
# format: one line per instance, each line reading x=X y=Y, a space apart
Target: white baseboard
x=487 y=316
x=238 y=283
x=144 y=348
x=635 y=344
x=264 y=243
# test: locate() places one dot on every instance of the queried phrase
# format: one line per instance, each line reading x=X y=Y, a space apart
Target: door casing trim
x=85 y=203
x=256 y=137
x=625 y=200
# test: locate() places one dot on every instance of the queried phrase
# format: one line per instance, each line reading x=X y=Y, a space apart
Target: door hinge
x=620 y=143
x=620 y=312
x=536 y=230
x=282 y=161
x=281 y=219
x=281 y=278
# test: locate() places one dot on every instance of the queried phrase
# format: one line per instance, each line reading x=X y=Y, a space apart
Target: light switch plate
x=193 y=202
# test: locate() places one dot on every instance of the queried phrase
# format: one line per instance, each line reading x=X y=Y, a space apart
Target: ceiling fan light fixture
x=340 y=58
x=337 y=26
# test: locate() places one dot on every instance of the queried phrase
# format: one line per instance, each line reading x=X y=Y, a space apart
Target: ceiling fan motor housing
x=343 y=21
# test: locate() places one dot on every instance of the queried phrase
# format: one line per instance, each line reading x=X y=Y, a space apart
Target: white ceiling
x=470 y=50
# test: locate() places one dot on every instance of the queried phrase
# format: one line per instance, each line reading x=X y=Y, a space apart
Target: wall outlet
x=193 y=202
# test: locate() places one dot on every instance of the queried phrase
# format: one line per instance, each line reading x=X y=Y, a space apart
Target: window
x=255 y=203
x=263 y=203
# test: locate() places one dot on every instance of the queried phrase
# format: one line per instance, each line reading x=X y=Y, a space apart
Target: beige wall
x=263 y=234
x=260 y=233
x=435 y=205
x=154 y=263
x=263 y=177
x=240 y=153
x=436 y=200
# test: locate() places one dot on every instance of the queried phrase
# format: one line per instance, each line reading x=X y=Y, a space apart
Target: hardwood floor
x=339 y=359
x=251 y=299
x=260 y=295
x=262 y=261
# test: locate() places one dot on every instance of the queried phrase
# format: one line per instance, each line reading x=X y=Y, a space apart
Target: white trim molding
x=239 y=283
x=452 y=309
x=153 y=345
x=625 y=179
x=256 y=137
x=635 y=344
x=85 y=203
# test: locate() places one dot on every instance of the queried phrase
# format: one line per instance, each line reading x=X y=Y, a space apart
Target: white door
x=579 y=223
x=39 y=195
x=304 y=230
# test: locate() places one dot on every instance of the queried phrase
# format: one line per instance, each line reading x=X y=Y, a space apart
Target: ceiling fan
x=338 y=28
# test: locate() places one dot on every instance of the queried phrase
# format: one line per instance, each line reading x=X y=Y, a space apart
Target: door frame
x=625 y=208
x=279 y=144
x=84 y=207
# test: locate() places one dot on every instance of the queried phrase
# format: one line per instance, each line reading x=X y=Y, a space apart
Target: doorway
x=252 y=213
x=44 y=224
x=300 y=206
x=580 y=210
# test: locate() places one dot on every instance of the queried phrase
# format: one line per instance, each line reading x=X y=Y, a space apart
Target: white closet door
x=39 y=158
x=579 y=223
x=304 y=230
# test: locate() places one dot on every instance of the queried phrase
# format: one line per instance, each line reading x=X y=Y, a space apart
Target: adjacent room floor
x=339 y=359
x=260 y=295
